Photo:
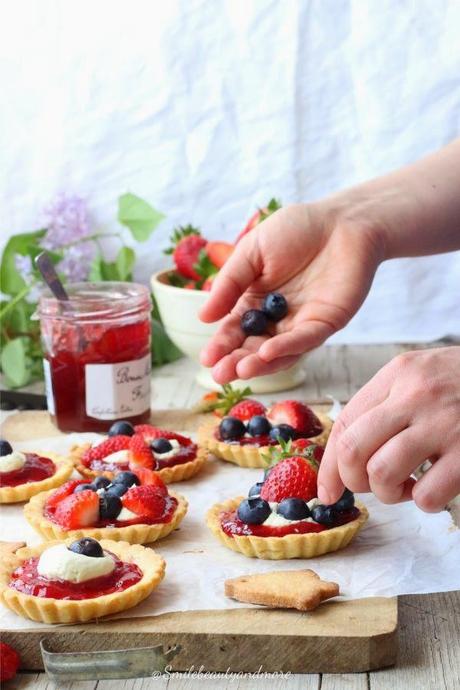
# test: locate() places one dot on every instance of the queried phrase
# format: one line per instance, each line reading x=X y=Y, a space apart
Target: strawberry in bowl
x=172 y=456
x=248 y=430
x=135 y=507
x=282 y=517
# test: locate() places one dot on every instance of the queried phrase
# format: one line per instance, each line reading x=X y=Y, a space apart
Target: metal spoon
x=51 y=278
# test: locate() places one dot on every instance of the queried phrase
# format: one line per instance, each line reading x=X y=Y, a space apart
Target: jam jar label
x=117 y=391
x=48 y=387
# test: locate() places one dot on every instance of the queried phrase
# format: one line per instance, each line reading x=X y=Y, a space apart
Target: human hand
x=321 y=263
x=407 y=413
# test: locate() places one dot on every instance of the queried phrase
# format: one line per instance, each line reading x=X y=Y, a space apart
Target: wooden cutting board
x=338 y=637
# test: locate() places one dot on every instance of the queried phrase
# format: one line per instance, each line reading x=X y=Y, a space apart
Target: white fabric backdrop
x=209 y=107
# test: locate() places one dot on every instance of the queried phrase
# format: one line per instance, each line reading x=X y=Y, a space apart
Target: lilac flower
x=77 y=262
x=66 y=220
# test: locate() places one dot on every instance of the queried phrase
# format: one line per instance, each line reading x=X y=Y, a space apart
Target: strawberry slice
x=145 y=500
x=78 y=510
x=219 y=252
x=296 y=414
x=246 y=409
x=150 y=478
x=293 y=477
x=140 y=453
x=107 y=447
x=65 y=490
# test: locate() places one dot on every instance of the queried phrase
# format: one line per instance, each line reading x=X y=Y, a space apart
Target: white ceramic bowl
x=179 y=312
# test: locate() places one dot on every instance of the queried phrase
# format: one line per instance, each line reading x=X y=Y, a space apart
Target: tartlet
x=54 y=610
x=23 y=492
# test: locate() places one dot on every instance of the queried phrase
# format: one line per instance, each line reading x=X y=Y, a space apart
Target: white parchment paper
x=400 y=550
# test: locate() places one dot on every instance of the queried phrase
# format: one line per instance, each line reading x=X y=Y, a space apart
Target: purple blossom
x=66 y=220
x=77 y=262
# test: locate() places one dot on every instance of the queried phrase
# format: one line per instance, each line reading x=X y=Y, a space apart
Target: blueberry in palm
x=254 y=322
x=275 y=306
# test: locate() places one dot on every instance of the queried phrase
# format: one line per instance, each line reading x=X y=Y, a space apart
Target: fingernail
x=323 y=495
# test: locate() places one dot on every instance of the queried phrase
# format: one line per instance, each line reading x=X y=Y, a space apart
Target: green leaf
x=138 y=216
x=125 y=263
x=14 y=363
x=95 y=270
x=163 y=349
x=10 y=281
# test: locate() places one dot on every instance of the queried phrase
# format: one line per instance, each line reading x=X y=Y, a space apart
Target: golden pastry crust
x=133 y=534
x=170 y=475
x=22 y=492
x=291 y=545
x=247 y=455
x=48 y=610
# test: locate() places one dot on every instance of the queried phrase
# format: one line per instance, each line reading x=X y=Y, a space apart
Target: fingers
x=439 y=485
x=237 y=274
x=228 y=337
x=295 y=342
x=253 y=365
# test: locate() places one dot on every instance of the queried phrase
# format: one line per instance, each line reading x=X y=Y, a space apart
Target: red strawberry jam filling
x=232 y=525
x=186 y=454
x=35 y=469
x=26 y=579
x=259 y=441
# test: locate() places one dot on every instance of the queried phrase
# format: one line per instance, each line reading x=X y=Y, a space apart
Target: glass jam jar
x=97 y=355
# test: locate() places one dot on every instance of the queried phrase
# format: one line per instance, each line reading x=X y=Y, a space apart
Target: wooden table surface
x=429 y=625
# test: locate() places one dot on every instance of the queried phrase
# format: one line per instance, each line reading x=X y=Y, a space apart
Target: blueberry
x=255 y=490
x=253 y=511
x=117 y=490
x=259 y=425
x=346 y=502
x=87 y=547
x=121 y=428
x=284 y=431
x=101 y=482
x=109 y=506
x=126 y=478
x=325 y=515
x=5 y=447
x=275 y=306
x=231 y=428
x=161 y=445
x=84 y=487
x=293 y=509
x=254 y=322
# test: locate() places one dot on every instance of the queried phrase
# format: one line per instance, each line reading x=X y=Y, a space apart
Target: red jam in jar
x=97 y=355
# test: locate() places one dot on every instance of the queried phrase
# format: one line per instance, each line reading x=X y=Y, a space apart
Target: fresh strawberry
x=260 y=215
x=9 y=662
x=222 y=402
x=308 y=448
x=293 y=477
x=296 y=414
x=65 y=490
x=78 y=510
x=140 y=453
x=246 y=409
x=107 y=447
x=207 y=285
x=150 y=478
x=187 y=243
x=219 y=252
x=191 y=285
x=145 y=500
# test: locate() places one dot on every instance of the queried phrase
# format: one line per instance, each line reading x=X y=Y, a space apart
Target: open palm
x=323 y=268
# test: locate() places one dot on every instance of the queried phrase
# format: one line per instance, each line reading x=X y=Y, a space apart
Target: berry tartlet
x=247 y=433
x=121 y=509
x=24 y=474
x=76 y=581
x=173 y=456
x=282 y=517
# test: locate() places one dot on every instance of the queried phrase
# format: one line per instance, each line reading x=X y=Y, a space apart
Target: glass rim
x=100 y=300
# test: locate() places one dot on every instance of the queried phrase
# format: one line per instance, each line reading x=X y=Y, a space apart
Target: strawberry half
x=78 y=510
x=296 y=414
x=150 y=478
x=107 y=447
x=140 y=453
x=65 y=490
x=219 y=252
x=145 y=500
x=246 y=409
x=293 y=477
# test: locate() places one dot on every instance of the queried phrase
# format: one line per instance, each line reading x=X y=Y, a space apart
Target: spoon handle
x=51 y=278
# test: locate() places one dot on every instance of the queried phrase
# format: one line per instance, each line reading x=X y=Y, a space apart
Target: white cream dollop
x=126 y=514
x=13 y=461
x=59 y=563
x=277 y=520
x=176 y=448
x=120 y=457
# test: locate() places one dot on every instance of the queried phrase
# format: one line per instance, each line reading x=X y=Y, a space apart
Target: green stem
x=96 y=237
x=13 y=302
